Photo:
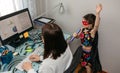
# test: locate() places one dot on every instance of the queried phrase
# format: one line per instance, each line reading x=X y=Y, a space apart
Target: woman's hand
x=98 y=8
x=34 y=58
x=27 y=66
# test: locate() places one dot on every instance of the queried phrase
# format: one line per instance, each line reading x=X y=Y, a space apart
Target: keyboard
x=38 y=51
x=18 y=42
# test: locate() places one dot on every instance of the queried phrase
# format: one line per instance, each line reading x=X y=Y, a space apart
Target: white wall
x=109 y=32
x=40 y=7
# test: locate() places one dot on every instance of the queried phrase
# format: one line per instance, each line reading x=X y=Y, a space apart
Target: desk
x=33 y=43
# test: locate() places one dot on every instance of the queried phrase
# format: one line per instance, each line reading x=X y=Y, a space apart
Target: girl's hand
x=27 y=66
x=34 y=58
x=98 y=8
x=75 y=35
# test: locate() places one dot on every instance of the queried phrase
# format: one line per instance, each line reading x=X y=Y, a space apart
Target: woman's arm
x=46 y=69
x=97 y=20
x=36 y=58
x=27 y=66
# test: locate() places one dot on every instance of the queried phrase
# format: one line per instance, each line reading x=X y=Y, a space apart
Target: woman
x=89 y=41
x=57 y=55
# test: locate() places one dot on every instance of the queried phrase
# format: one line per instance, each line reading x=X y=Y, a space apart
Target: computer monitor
x=13 y=25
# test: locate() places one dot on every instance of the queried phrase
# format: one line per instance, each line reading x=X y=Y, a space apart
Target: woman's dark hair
x=90 y=18
x=54 y=42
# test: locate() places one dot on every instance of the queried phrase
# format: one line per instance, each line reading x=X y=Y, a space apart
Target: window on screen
x=15 y=23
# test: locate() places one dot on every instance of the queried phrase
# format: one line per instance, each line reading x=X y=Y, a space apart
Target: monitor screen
x=14 y=24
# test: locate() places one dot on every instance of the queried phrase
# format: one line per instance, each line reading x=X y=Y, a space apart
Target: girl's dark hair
x=90 y=18
x=54 y=42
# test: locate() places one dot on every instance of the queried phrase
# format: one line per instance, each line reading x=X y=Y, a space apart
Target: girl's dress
x=91 y=57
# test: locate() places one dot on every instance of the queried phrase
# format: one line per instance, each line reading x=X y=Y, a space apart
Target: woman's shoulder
x=67 y=53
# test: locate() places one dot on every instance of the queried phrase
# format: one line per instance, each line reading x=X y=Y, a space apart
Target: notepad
x=26 y=35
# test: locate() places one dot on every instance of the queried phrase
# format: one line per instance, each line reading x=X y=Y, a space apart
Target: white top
x=59 y=65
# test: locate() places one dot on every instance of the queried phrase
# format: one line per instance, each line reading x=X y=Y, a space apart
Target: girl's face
x=85 y=23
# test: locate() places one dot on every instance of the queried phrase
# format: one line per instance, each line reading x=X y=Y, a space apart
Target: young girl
x=89 y=40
